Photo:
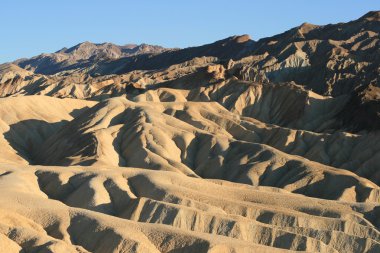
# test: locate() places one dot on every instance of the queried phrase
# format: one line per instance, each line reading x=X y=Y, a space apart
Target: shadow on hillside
x=27 y=137
x=76 y=112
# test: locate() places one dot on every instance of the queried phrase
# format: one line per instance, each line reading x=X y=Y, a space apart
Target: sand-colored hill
x=25 y=122
x=197 y=139
x=105 y=209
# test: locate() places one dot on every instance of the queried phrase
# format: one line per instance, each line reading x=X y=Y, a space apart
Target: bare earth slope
x=25 y=122
x=103 y=209
x=234 y=146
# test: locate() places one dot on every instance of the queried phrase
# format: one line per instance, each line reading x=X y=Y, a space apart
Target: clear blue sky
x=30 y=27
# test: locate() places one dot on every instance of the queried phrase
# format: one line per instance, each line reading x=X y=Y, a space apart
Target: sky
x=31 y=27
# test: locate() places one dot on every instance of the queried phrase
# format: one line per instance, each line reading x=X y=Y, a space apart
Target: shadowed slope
x=26 y=122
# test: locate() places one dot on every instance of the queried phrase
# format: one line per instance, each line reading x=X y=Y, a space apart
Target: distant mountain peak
x=372 y=16
x=84 y=54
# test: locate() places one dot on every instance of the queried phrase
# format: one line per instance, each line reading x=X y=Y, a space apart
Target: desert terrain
x=240 y=145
